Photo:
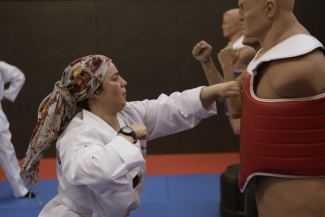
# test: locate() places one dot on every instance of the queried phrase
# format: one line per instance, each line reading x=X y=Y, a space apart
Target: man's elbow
x=22 y=78
x=20 y=75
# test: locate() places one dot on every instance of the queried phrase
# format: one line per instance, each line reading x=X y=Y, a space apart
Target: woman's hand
x=202 y=52
x=228 y=56
x=224 y=90
x=228 y=89
x=140 y=131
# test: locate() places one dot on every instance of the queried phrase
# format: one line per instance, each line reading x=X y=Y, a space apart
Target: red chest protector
x=281 y=137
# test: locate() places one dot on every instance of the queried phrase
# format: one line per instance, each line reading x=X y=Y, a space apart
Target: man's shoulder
x=3 y=64
x=246 y=55
x=299 y=76
x=305 y=65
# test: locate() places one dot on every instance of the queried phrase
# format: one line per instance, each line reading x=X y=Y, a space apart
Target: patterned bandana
x=79 y=80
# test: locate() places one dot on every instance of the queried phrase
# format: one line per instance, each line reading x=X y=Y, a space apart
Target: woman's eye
x=116 y=79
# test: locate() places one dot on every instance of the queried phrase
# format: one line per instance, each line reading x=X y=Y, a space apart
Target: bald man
x=202 y=52
x=282 y=108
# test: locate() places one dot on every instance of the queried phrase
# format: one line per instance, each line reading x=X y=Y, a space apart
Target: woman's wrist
x=129 y=138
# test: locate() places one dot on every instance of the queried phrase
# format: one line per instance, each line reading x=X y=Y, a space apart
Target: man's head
x=230 y=24
x=258 y=16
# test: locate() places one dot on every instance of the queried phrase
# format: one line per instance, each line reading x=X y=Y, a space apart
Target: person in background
x=202 y=52
x=8 y=160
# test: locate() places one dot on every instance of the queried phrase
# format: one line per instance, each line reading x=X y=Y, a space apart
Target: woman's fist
x=140 y=131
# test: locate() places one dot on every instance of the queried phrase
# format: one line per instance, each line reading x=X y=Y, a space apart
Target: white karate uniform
x=95 y=167
x=8 y=159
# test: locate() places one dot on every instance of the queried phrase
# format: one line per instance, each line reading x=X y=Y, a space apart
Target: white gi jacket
x=96 y=168
x=8 y=160
x=9 y=74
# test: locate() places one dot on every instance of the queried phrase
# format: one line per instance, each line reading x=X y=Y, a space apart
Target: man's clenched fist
x=202 y=52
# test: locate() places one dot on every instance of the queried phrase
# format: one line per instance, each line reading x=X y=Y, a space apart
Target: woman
x=101 y=152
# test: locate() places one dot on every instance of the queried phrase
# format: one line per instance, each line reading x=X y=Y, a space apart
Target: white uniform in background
x=238 y=45
x=101 y=174
x=8 y=159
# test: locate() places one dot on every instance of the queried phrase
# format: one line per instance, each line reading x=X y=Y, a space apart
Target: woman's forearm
x=210 y=94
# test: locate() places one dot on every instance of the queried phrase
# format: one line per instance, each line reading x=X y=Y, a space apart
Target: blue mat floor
x=163 y=196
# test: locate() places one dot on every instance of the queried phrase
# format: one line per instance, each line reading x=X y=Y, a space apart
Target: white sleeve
x=103 y=168
x=168 y=115
x=13 y=75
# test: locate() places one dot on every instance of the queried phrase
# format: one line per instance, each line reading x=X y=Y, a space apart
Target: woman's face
x=113 y=94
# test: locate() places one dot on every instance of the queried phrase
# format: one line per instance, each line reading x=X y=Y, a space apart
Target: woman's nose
x=124 y=83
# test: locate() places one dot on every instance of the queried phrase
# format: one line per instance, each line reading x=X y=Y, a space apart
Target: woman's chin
x=123 y=105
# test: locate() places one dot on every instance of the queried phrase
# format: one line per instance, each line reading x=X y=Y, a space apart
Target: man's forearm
x=234 y=106
x=234 y=103
x=211 y=72
x=228 y=73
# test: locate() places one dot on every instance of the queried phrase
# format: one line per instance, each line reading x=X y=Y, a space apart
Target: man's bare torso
x=297 y=77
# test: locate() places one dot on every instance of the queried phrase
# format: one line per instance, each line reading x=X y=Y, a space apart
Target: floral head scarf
x=79 y=80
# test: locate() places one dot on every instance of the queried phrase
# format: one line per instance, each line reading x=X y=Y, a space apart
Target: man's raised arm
x=227 y=58
x=202 y=53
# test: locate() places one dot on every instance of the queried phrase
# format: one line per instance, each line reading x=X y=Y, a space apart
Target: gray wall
x=150 y=41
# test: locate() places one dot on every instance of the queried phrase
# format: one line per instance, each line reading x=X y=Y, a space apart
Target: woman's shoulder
x=135 y=110
x=77 y=121
x=76 y=125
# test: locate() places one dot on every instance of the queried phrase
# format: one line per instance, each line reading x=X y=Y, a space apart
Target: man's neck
x=256 y=47
x=281 y=30
x=236 y=36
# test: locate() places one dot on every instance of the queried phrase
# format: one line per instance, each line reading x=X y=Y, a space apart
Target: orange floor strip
x=176 y=164
x=181 y=164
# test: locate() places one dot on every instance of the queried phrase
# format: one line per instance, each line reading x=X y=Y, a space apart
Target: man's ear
x=270 y=6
